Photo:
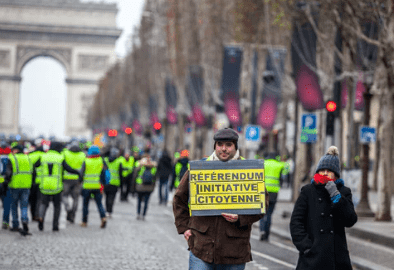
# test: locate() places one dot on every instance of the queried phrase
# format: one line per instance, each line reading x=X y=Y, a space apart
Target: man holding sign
x=219 y=238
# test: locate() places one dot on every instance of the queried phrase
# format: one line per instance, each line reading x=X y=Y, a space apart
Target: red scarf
x=321 y=179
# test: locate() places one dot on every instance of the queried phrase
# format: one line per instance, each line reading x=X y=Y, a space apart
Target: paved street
x=128 y=243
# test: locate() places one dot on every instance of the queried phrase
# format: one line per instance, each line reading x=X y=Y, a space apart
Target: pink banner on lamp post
x=267 y=113
x=198 y=115
x=232 y=110
x=172 y=116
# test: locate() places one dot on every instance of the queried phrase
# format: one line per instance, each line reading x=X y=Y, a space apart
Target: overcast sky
x=43 y=89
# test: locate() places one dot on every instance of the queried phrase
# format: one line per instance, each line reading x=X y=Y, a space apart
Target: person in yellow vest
x=137 y=157
x=273 y=170
x=181 y=166
x=95 y=174
x=114 y=163
x=74 y=157
x=52 y=165
x=34 y=197
x=127 y=173
x=145 y=182
x=19 y=179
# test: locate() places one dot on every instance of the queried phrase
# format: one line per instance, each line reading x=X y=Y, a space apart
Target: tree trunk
x=377 y=147
x=385 y=189
x=302 y=165
x=352 y=84
x=319 y=146
x=283 y=134
x=193 y=143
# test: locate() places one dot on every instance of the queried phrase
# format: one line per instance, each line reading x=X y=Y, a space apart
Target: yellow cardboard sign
x=239 y=191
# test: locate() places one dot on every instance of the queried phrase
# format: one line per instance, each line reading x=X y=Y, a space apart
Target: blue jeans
x=143 y=196
x=21 y=195
x=163 y=187
x=265 y=222
x=86 y=198
x=6 y=206
x=198 y=264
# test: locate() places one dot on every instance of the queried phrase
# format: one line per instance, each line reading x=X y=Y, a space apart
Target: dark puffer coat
x=317 y=227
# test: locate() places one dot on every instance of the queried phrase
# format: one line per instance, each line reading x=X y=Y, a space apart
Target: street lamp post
x=363 y=209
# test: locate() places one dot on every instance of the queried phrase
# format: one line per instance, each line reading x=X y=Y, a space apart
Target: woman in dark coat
x=320 y=215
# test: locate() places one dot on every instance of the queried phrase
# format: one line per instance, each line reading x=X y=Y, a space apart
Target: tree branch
x=308 y=14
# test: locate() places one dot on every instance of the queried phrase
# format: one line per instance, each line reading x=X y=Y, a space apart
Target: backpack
x=147 y=177
x=183 y=170
x=3 y=165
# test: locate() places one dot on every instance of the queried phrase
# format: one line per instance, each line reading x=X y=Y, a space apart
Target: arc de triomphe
x=81 y=36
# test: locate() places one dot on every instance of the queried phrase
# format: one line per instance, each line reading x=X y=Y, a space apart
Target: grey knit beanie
x=330 y=161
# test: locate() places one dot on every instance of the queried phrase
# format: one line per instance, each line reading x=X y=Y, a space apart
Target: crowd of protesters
x=35 y=173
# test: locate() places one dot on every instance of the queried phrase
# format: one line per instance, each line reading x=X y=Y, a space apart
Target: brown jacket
x=213 y=239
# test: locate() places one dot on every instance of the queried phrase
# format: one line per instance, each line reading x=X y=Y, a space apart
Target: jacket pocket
x=237 y=243
x=198 y=226
x=235 y=232
x=199 y=240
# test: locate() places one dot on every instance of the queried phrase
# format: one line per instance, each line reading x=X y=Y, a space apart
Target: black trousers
x=34 y=201
x=56 y=199
x=125 y=187
x=110 y=194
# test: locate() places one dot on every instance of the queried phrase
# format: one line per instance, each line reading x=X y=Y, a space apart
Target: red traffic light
x=112 y=133
x=157 y=126
x=331 y=106
x=128 y=130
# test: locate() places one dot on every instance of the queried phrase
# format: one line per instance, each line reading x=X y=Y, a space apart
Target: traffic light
x=112 y=133
x=128 y=130
x=331 y=107
x=157 y=127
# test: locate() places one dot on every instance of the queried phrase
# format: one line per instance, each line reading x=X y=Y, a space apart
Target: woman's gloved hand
x=331 y=188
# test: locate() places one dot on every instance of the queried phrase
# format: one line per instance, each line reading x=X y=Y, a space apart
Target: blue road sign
x=308 y=128
x=252 y=133
x=367 y=134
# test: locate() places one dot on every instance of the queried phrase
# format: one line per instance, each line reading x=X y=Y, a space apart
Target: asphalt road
x=128 y=243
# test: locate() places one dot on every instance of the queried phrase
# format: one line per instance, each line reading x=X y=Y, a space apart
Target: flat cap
x=226 y=134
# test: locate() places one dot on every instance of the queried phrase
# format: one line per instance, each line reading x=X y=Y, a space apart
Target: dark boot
x=25 y=230
x=70 y=217
x=15 y=229
x=103 y=222
x=40 y=224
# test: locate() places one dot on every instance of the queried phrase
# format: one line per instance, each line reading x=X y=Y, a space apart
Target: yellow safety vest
x=178 y=168
x=93 y=169
x=114 y=170
x=22 y=170
x=34 y=157
x=128 y=166
x=272 y=173
x=51 y=184
x=75 y=161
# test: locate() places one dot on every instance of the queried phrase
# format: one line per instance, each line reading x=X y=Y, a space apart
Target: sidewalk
x=365 y=229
